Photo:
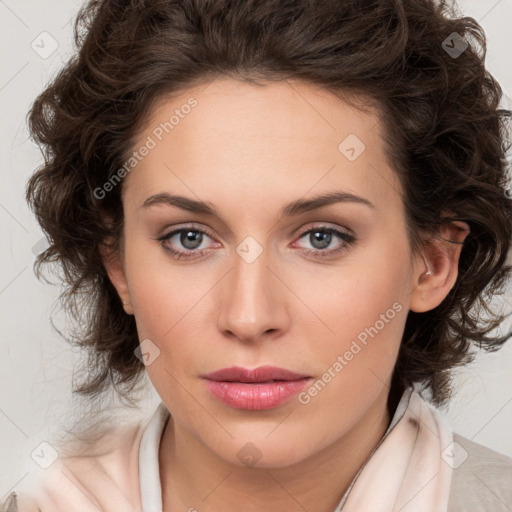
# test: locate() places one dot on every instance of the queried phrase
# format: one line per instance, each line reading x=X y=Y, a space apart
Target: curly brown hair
x=419 y=61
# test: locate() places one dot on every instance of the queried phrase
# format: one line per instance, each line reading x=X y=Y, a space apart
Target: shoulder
x=481 y=478
x=99 y=476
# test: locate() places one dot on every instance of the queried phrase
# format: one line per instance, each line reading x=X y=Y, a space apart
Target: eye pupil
x=324 y=239
x=191 y=239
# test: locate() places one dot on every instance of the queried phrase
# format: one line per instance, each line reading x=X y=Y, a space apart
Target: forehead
x=229 y=139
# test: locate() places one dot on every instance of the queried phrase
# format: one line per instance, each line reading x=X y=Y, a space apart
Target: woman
x=290 y=214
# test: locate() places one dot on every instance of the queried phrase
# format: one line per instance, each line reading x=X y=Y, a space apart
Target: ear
x=437 y=268
x=112 y=261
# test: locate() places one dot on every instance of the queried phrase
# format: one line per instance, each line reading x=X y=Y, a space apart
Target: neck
x=194 y=478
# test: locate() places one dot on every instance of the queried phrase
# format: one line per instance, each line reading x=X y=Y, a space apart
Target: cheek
x=161 y=292
x=362 y=305
x=355 y=361
x=362 y=340
x=168 y=302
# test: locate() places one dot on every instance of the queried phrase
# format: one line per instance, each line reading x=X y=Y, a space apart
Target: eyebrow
x=294 y=208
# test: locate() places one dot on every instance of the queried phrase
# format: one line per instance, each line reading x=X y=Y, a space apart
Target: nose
x=254 y=301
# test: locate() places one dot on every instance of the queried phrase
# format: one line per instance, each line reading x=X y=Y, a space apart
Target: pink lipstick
x=262 y=388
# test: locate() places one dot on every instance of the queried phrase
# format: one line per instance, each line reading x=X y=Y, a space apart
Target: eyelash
x=347 y=239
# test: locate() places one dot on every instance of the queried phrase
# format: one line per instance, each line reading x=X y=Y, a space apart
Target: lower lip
x=256 y=396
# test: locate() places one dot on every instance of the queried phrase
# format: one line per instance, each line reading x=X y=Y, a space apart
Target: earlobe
x=437 y=267
x=116 y=273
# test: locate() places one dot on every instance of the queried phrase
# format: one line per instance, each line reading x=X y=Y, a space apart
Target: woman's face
x=263 y=282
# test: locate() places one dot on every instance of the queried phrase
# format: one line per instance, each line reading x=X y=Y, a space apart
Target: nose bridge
x=253 y=301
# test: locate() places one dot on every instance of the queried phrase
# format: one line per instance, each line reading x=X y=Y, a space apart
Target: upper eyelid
x=174 y=231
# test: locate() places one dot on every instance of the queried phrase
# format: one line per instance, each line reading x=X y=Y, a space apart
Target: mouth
x=265 y=387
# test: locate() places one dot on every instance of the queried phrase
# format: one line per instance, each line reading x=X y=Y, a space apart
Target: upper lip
x=260 y=374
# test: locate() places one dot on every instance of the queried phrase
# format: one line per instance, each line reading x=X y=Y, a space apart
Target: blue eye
x=321 y=242
x=191 y=239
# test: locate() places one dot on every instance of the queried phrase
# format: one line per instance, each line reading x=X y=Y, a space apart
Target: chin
x=260 y=452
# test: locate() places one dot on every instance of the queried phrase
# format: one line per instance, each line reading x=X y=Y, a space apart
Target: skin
x=249 y=151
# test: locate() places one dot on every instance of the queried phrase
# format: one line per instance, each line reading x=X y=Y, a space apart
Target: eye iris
x=193 y=237
x=324 y=238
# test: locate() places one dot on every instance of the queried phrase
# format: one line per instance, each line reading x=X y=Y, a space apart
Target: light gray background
x=35 y=364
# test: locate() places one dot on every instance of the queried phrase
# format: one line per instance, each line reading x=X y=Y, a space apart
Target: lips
x=262 y=388
x=261 y=374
